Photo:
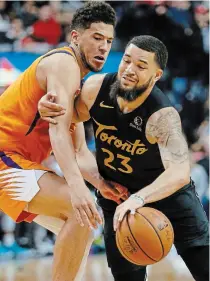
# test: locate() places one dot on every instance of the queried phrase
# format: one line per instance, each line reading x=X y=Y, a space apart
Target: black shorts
x=184 y=210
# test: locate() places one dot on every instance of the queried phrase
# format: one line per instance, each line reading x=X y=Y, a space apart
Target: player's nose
x=104 y=47
x=130 y=70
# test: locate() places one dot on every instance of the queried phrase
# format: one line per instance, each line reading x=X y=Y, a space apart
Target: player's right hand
x=84 y=207
x=48 y=108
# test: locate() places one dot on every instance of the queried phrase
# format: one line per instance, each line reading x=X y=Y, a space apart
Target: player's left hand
x=113 y=191
x=48 y=108
x=130 y=205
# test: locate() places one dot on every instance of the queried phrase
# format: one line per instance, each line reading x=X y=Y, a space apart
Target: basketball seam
x=156 y=233
x=137 y=242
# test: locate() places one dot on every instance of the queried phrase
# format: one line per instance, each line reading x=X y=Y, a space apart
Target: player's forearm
x=170 y=181
x=88 y=167
x=65 y=155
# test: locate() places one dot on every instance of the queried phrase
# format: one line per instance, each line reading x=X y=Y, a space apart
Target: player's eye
x=126 y=60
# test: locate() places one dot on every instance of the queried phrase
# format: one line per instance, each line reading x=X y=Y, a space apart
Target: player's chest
x=122 y=133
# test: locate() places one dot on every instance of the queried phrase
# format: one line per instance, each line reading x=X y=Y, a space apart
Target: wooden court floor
x=170 y=269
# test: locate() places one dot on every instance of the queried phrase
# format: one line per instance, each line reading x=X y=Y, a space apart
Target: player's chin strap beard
x=80 y=56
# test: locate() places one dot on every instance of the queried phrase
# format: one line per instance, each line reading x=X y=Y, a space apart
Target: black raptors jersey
x=123 y=153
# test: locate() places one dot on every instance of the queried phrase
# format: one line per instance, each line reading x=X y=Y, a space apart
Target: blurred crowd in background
x=39 y=26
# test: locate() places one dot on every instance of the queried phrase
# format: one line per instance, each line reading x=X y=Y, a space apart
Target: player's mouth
x=99 y=59
x=128 y=79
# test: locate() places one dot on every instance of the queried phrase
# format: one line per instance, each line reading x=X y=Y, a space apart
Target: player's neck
x=83 y=68
x=129 y=106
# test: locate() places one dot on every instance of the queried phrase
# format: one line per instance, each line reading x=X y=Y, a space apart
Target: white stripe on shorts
x=20 y=184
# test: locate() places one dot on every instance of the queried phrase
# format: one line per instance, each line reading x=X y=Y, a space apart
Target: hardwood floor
x=170 y=269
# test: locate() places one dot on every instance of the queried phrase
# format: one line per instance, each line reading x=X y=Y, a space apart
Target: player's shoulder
x=166 y=113
x=93 y=84
x=60 y=64
x=58 y=60
x=95 y=80
x=162 y=122
x=90 y=90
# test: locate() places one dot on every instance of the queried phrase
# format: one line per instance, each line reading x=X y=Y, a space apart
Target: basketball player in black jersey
x=139 y=144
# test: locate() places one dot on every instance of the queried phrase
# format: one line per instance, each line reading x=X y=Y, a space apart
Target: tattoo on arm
x=166 y=128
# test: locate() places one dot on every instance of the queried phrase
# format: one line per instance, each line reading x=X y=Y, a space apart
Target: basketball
x=146 y=237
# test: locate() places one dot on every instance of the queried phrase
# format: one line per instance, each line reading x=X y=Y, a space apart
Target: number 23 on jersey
x=124 y=166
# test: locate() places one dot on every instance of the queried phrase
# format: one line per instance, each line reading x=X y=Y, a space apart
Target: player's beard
x=86 y=63
x=128 y=95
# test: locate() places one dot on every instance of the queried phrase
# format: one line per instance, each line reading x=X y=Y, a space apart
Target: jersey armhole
x=108 y=80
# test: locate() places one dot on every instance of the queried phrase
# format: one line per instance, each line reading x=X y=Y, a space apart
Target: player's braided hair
x=93 y=12
x=153 y=45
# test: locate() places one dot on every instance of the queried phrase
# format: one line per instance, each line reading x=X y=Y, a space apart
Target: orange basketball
x=146 y=237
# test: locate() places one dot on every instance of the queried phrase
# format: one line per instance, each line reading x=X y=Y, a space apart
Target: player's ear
x=158 y=74
x=74 y=37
